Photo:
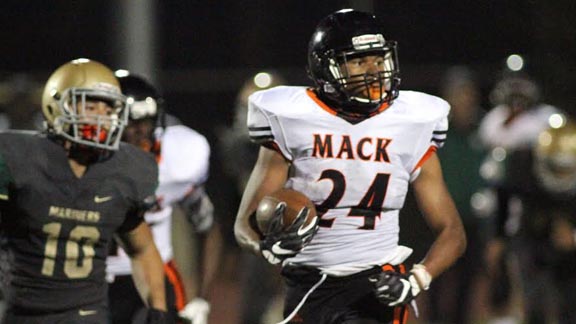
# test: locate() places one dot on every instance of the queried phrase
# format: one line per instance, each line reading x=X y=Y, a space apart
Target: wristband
x=422 y=276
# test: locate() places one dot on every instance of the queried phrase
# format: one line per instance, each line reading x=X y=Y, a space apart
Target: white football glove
x=196 y=311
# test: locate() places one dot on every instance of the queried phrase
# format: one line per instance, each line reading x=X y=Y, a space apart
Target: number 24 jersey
x=357 y=174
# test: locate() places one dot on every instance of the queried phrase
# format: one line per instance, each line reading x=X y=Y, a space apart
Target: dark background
x=204 y=50
x=207 y=48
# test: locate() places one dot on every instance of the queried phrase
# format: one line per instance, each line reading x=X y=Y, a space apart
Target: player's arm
x=197 y=256
x=269 y=174
x=147 y=266
x=435 y=202
x=198 y=209
x=441 y=215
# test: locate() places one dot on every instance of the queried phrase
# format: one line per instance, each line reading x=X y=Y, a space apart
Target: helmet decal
x=363 y=42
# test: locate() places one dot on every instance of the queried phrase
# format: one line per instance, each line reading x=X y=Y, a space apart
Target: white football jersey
x=183 y=164
x=521 y=133
x=356 y=174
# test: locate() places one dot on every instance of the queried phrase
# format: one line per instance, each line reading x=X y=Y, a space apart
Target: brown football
x=294 y=200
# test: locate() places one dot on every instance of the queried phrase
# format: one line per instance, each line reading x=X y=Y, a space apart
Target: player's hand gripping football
x=283 y=242
x=394 y=288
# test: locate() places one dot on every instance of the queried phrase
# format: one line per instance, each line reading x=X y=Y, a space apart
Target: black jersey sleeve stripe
x=263 y=128
x=260 y=138
x=439 y=132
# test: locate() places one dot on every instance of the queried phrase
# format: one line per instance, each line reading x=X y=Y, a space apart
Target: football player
x=548 y=237
x=66 y=193
x=538 y=193
x=353 y=144
x=509 y=131
x=183 y=159
x=518 y=116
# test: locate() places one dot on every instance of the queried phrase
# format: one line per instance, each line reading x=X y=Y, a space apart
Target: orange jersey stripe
x=424 y=158
x=331 y=111
x=174 y=278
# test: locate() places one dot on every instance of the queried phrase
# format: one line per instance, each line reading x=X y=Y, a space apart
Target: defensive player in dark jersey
x=65 y=193
x=542 y=180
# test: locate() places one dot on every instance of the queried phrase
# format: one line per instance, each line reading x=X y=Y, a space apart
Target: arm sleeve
x=264 y=128
x=131 y=222
x=145 y=182
x=429 y=147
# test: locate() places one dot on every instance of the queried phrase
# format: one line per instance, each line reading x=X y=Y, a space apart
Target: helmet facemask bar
x=93 y=130
x=371 y=88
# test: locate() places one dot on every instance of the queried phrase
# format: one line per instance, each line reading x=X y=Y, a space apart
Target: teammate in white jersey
x=353 y=145
x=183 y=160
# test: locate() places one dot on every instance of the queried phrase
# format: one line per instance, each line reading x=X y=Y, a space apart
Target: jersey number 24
x=369 y=206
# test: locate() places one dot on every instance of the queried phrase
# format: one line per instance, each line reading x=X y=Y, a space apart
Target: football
x=294 y=200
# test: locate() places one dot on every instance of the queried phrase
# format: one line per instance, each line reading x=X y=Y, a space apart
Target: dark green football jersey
x=56 y=227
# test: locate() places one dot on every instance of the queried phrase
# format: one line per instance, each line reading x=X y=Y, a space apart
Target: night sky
x=206 y=49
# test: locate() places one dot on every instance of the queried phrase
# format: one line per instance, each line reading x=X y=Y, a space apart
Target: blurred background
x=201 y=53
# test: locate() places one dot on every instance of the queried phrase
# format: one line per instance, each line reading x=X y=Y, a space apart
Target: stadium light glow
x=515 y=62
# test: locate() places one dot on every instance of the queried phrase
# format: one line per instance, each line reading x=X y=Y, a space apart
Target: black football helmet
x=144 y=100
x=146 y=118
x=516 y=90
x=344 y=35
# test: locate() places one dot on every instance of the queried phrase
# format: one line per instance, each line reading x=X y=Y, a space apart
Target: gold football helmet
x=64 y=101
x=555 y=158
